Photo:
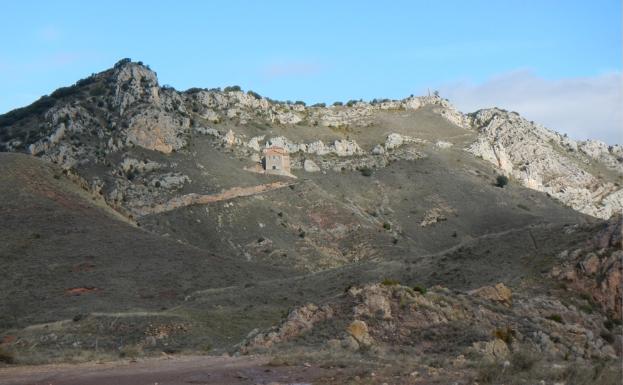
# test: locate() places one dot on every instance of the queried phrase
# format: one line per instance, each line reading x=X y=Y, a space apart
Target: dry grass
x=6 y=356
x=528 y=367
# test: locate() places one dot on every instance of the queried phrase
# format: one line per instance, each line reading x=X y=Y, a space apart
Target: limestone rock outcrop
x=391 y=316
x=597 y=270
x=549 y=162
x=498 y=293
x=395 y=140
x=310 y=166
x=155 y=130
x=340 y=147
x=299 y=320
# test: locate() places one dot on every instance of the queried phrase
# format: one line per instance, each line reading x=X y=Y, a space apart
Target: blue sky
x=327 y=50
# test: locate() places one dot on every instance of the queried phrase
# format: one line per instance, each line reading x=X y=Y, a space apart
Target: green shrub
x=586 y=308
x=86 y=81
x=97 y=90
x=41 y=105
x=299 y=103
x=232 y=89
x=379 y=101
x=366 y=171
x=611 y=323
x=351 y=103
x=555 y=318
x=338 y=104
x=505 y=334
x=501 y=181
x=607 y=336
x=254 y=94
x=420 y=289
x=319 y=105
x=123 y=62
x=193 y=90
x=390 y=282
x=387 y=226
x=64 y=91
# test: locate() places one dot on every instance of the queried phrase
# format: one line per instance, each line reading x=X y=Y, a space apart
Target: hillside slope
x=134 y=221
x=68 y=254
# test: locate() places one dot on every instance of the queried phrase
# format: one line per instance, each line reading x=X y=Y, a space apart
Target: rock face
x=437 y=214
x=494 y=350
x=498 y=293
x=156 y=131
x=310 y=166
x=396 y=140
x=385 y=317
x=340 y=147
x=442 y=145
x=373 y=302
x=299 y=321
x=597 y=270
x=546 y=161
x=358 y=330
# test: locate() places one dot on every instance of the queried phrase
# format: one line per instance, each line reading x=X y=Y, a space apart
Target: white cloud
x=583 y=107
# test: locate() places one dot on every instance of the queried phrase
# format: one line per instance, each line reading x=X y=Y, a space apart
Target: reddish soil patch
x=80 y=290
x=7 y=340
x=83 y=267
x=167 y=294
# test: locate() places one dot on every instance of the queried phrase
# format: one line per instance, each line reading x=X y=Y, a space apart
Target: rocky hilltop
x=547 y=161
x=125 y=107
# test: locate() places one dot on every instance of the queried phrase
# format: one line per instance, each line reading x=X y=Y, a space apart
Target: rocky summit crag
x=138 y=219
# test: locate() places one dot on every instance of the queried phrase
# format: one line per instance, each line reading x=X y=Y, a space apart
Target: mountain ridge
x=126 y=107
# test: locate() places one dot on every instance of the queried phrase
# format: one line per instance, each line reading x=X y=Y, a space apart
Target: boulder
x=207 y=131
x=495 y=350
x=395 y=140
x=442 y=145
x=359 y=331
x=375 y=302
x=498 y=293
x=378 y=150
x=310 y=166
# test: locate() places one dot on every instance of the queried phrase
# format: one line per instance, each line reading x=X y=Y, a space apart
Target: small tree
x=123 y=62
x=501 y=181
x=366 y=171
x=232 y=89
x=254 y=94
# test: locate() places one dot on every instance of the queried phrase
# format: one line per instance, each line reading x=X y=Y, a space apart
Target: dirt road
x=202 y=370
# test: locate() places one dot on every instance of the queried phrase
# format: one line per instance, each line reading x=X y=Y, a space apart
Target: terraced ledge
x=202 y=199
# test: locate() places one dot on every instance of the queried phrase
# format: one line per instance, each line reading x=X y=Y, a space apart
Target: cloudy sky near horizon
x=556 y=62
